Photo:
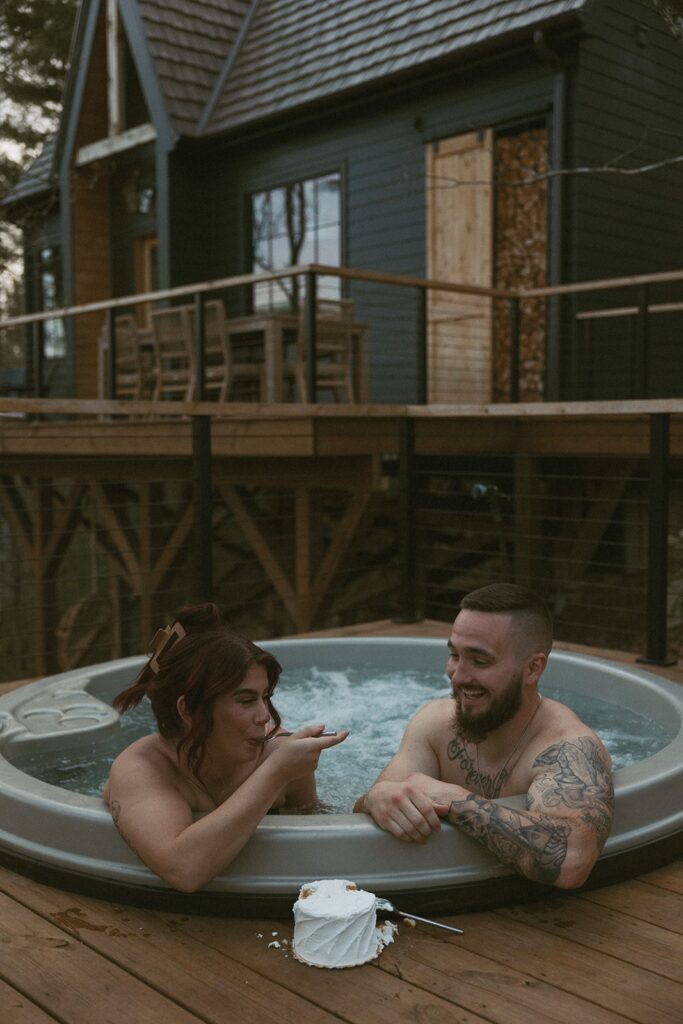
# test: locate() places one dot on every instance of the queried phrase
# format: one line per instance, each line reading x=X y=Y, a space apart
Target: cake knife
x=389 y=908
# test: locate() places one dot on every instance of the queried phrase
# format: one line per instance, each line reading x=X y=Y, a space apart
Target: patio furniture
x=134 y=372
x=333 y=351
x=217 y=361
x=174 y=354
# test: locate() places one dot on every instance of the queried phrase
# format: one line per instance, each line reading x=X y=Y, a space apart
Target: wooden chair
x=217 y=361
x=174 y=355
x=134 y=375
x=334 y=326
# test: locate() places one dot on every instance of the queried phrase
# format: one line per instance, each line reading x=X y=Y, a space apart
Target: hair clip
x=164 y=639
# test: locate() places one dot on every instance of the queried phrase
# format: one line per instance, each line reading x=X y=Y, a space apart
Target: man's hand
x=405 y=809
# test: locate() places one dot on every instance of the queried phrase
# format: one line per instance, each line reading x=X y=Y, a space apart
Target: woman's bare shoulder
x=145 y=761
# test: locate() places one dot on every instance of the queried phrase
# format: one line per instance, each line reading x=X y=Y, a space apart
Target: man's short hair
x=530 y=611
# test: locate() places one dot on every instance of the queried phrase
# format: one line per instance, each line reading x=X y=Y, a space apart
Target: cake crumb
x=274 y=945
x=409 y=921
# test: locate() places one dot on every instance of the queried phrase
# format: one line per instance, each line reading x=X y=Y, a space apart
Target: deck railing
x=426 y=341
x=296 y=517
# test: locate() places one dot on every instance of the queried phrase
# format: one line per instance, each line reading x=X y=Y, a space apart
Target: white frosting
x=335 y=925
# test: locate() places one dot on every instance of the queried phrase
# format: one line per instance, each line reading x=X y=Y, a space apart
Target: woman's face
x=241 y=719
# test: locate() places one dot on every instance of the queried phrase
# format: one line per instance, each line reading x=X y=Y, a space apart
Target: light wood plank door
x=459 y=173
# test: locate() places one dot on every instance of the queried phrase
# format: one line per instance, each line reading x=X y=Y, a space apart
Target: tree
x=672 y=12
x=34 y=50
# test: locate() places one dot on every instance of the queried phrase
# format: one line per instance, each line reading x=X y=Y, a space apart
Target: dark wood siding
x=626 y=113
x=380 y=153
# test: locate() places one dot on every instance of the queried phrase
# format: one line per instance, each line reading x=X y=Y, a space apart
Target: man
x=498 y=737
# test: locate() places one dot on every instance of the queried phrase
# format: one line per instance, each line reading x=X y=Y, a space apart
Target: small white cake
x=335 y=925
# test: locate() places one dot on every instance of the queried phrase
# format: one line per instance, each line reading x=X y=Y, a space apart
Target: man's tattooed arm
x=560 y=834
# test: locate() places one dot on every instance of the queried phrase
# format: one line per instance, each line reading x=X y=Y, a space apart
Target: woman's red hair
x=207 y=662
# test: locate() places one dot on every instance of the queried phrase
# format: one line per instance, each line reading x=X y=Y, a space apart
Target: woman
x=218 y=752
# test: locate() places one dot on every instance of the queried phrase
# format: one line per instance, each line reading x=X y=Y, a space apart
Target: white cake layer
x=335 y=925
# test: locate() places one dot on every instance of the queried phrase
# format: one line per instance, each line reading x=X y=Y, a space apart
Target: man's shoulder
x=434 y=713
x=562 y=725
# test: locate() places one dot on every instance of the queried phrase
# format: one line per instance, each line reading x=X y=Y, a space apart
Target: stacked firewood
x=520 y=257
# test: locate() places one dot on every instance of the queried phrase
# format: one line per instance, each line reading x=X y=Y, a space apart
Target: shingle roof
x=297 y=51
x=189 y=41
x=38 y=176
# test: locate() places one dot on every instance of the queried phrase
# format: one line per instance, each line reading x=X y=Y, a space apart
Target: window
x=50 y=297
x=292 y=224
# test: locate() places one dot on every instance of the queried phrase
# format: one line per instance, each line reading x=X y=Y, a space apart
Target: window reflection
x=292 y=224
x=50 y=283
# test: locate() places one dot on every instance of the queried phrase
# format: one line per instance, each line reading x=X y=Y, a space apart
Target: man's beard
x=474 y=726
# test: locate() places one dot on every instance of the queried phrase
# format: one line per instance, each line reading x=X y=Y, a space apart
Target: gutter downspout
x=547 y=55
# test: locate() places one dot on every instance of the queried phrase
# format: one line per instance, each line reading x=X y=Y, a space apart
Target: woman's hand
x=298 y=755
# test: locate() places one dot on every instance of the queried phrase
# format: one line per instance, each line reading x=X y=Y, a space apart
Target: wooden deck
x=602 y=957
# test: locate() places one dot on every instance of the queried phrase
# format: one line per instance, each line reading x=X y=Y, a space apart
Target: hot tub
x=67 y=839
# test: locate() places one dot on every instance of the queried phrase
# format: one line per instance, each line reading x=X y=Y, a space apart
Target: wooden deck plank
x=670 y=877
x=63 y=977
x=368 y=996
x=154 y=945
x=17 y=1009
x=634 y=941
x=609 y=956
x=481 y=984
x=644 y=901
x=599 y=977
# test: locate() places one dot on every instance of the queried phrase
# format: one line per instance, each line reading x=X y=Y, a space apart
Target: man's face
x=486 y=673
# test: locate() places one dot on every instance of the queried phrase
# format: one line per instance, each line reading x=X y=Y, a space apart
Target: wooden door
x=460 y=250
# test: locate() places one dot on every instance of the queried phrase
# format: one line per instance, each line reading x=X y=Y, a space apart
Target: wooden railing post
x=658 y=542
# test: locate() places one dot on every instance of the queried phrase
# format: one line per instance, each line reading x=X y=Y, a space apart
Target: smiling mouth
x=470 y=692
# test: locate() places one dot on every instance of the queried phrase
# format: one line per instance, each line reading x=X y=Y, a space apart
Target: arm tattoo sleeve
x=576 y=778
x=533 y=844
x=573 y=793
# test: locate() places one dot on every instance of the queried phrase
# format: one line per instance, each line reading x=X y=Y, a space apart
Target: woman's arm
x=158 y=824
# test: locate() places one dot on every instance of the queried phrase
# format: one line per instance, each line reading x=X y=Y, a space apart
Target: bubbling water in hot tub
x=374 y=705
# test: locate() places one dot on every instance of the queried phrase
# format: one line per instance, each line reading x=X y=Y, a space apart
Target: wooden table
x=278 y=331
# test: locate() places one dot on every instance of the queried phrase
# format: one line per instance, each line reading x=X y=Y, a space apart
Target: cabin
x=499 y=145
x=488 y=196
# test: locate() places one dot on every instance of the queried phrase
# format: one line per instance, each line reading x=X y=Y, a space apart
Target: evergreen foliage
x=35 y=37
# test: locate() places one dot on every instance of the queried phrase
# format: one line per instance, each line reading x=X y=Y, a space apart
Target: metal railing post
x=310 y=310
x=37 y=358
x=407 y=543
x=514 y=350
x=202 y=562
x=658 y=542
x=110 y=328
x=199 y=347
x=421 y=348
x=641 y=359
